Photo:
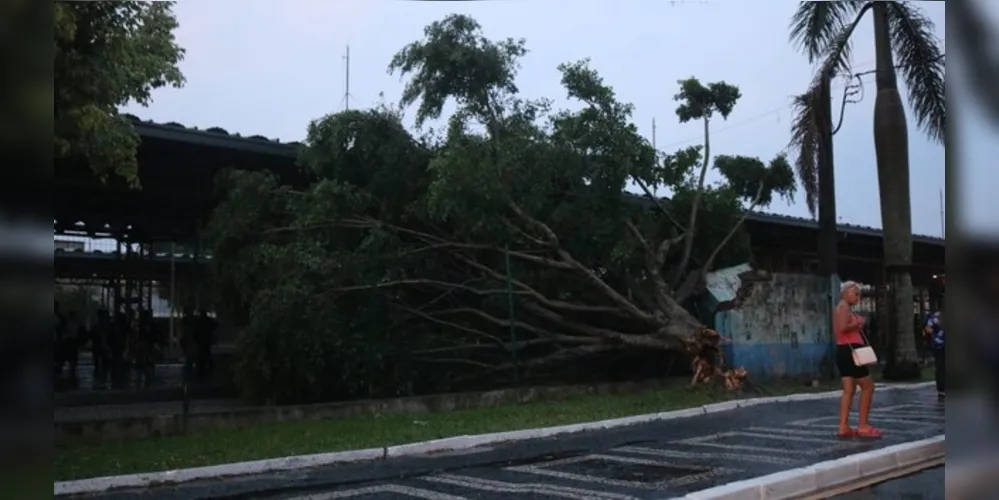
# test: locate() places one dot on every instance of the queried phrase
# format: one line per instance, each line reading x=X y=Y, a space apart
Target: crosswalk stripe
x=656 y=452
x=381 y=488
x=537 y=488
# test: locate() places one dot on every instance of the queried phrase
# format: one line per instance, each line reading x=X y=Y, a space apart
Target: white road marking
x=699 y=473
x=521 y=488
x=834 y=419
x=908 y=416
x=466 y=451
x=707 y=441
x=778 y=431
x=656 y=452
x=921 y=431
x=381 y=488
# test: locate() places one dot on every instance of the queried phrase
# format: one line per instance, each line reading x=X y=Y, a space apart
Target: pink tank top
x=849 y=337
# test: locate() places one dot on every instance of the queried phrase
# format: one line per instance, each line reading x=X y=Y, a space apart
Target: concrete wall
x=777 y=325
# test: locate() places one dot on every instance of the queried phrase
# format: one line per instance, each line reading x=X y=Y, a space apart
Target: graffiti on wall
x=778 y=323
x=788 y=309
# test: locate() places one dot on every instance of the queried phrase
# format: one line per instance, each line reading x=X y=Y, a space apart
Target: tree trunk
x=891 y=145
x=828 y=235
x=828 y=251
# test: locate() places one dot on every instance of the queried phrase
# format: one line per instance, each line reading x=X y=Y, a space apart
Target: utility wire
x=859 y=77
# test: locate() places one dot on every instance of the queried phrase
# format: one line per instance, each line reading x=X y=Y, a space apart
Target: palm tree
x=823 y=31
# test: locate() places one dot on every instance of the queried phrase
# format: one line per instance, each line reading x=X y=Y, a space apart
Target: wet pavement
x=925 y=485
x=658 y=460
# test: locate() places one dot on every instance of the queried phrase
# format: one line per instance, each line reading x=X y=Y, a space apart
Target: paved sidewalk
x=650 y=461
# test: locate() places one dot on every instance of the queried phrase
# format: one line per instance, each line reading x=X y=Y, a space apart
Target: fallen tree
x=505 y=242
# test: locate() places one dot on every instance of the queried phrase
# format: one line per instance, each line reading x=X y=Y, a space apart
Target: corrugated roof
x=724 y=283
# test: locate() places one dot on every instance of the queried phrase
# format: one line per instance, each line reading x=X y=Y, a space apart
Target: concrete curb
x=149 y=479
x=823 y=476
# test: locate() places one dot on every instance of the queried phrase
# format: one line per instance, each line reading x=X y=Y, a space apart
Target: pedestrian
x=100 y=343
x=205 y=338
x=72 y=334
x=848 y=328
x=934 y=332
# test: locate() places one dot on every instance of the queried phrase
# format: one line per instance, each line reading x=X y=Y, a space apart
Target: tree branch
x=669 y=215
x=612 y=294
x=504 y=322
x=434 y=242
x=411 y=282
x=693 y=279
x=450 y=324
x=637 y=340
x=688 y=245
x=536 y=295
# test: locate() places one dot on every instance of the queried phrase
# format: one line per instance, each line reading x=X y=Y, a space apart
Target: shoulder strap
x=867 y=343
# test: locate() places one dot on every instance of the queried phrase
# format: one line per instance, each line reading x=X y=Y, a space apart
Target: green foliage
x=108 y=54
x=702 y=102
x=388 y=274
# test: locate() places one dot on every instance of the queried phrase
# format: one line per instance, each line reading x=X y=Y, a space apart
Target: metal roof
x=218 y=137
x=723 y=284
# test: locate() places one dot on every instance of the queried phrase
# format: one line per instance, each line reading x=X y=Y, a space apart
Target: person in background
x=72 y=331
x=118 y=344
x=100 y=346
x=148 y=347
x=187 y=344
x=204 y=337
x=934 y=332
x=57 y=341
x=848 y=331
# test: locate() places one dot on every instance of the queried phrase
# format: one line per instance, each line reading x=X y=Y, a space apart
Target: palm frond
x=835 y=59
x=815 y=25
x=806 y=137
x=920 y=59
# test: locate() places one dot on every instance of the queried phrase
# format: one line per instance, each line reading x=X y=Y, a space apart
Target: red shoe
x=849 y=433
x=869 y=432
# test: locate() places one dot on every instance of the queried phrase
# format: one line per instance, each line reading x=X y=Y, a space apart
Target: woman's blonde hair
x=848 y=285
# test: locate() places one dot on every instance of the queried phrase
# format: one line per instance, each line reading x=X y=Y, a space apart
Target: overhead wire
x=852 y=88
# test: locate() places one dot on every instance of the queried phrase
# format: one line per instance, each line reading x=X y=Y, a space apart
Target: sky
x=260 y=67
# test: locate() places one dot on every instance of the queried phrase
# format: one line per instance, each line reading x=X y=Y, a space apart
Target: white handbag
x=864 y=356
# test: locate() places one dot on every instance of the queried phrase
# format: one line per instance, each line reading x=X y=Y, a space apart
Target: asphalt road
x=925 y=485
x=648 y=461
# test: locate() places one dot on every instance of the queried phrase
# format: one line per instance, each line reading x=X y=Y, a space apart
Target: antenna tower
x=346 y=91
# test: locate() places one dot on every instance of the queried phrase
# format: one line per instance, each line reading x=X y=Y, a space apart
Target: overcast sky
x=268 y=68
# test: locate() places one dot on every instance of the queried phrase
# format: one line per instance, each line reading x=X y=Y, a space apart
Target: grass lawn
x=926 y=374
x=211 y=447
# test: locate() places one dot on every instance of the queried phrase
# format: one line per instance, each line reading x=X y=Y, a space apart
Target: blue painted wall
x=778 y=328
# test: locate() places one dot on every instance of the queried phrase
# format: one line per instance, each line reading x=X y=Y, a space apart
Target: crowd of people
x=122 y=344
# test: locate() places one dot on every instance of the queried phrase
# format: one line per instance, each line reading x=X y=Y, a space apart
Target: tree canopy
x=507 y=240
x=108 y=54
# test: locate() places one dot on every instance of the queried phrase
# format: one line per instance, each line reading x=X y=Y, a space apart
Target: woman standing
x=847 y=328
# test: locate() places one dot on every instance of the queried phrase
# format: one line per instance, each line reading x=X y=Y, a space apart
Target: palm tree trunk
x=891 y=144
x=828 y=235
x=828 y=244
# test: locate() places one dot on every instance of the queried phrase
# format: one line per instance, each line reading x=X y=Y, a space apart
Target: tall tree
x=823 y=31
x=389 y=272
x=108 y=54
x=699 y=102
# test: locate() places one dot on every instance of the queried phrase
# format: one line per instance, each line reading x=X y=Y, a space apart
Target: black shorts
x=845 y=365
